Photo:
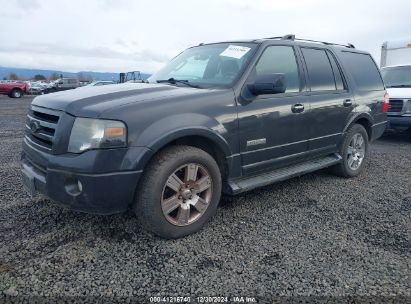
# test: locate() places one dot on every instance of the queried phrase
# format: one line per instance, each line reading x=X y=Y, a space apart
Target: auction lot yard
x=315 y=235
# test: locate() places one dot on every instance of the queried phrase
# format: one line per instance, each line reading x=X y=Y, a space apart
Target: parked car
x=37 y=88
x=223 y=117
x=396 y=72
x=100 y=83
x=63 y=84
x=84 y=83
x=13 y=89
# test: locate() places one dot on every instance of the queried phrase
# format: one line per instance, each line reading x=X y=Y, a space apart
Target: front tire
x=354 y=151
x=16 y=93
x=179 y=192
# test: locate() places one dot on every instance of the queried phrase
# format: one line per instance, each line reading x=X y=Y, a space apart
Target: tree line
x=40 y=77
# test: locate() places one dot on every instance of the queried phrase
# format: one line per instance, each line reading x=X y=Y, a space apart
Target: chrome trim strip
x=36 y=144
x=293 y=143
x=42 y=122
x=46 y=111
x=379 y=123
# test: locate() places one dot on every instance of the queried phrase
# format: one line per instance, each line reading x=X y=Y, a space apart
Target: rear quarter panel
x=367 y=104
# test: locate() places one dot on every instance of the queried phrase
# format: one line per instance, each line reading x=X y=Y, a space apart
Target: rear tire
x=354 y=151
x=179 y=192
x=16 y=93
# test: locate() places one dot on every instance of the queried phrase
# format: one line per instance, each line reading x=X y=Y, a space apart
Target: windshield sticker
x=235 y=51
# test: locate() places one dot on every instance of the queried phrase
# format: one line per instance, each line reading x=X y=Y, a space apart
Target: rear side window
x=280 y=59
x=320 y=72
x=339 y=83
x=363 y=70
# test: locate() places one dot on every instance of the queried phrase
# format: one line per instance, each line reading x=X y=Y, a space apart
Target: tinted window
x=280 y=59
x=363 y=70
x=337 y=72
x=320 y=73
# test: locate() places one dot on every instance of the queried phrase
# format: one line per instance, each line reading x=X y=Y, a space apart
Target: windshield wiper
x=400 y=86
x=174 y=81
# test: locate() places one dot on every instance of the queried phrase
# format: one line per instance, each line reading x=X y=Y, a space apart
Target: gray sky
x=122 y=35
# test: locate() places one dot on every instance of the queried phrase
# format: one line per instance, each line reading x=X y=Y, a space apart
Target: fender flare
x=356 y=117
x=157 y=144
x=155 y=139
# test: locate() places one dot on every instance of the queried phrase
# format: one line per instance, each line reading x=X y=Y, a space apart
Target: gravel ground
x=317 y=235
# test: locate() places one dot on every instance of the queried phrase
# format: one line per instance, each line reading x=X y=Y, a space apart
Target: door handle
x=297 y=108
x=347 y=103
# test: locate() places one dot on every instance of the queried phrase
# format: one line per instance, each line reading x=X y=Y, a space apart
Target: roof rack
x=292 y=37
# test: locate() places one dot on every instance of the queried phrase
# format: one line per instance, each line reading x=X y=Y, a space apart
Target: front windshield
x=397 y=77
x=207 y=65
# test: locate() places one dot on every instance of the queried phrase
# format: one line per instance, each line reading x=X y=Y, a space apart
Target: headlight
x=90 y=133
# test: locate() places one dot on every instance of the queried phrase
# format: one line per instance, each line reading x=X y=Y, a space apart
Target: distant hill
x=29 y=73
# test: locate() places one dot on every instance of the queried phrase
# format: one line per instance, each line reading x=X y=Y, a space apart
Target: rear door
x=330 y=100
x=273 y=132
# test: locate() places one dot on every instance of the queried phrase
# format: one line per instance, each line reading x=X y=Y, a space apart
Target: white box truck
x=396 y=72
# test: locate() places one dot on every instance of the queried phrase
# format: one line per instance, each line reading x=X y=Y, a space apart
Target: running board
x=246 y=184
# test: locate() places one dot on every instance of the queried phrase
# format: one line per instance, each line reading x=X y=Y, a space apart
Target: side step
x=245 y=184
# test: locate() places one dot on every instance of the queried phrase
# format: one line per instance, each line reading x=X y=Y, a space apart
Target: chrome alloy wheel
x=356 y=151
x=16 y=94
x=186 y=194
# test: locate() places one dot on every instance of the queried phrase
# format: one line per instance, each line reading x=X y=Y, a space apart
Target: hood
x=93 y=101
x=401 y=93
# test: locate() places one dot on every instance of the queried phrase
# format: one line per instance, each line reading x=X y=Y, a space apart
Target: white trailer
x=396 y=72
x=396 y=52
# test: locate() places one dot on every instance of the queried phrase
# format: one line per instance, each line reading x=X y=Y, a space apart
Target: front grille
x=395 y=105
x=41 y=127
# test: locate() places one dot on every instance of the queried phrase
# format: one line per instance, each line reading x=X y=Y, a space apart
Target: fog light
x=73 y=186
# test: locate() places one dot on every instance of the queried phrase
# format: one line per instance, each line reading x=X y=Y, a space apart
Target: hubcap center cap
x=186 y=194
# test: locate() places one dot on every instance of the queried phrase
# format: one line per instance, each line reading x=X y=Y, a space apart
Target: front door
x=273 y=128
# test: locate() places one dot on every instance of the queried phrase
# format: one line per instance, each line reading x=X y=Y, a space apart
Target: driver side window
x=280 y=59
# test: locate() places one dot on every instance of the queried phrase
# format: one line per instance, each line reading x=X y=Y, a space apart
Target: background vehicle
x=396 y=72
x=13 y=89
x=134 y=76
x=39 y=88
x=36 y=89
x=63 y=84
x=224 y=117
x=100 y=83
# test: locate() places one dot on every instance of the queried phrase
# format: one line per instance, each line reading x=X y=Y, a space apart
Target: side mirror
x=268 y=84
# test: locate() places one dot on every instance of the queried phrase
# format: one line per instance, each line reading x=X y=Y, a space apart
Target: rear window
x=363 y=70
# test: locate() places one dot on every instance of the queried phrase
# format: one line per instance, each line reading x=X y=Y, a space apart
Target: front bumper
x=400 y=121
x=97 y=181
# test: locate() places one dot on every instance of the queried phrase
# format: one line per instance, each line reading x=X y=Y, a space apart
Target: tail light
x=386 y=103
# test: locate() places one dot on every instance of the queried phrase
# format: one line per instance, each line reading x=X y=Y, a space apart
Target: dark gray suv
x=222 y=117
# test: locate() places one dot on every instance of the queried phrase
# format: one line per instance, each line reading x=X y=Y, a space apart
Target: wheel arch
x=363 y=119
x=199 y=137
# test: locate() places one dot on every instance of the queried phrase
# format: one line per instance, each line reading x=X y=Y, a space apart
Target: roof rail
x=292 y=37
